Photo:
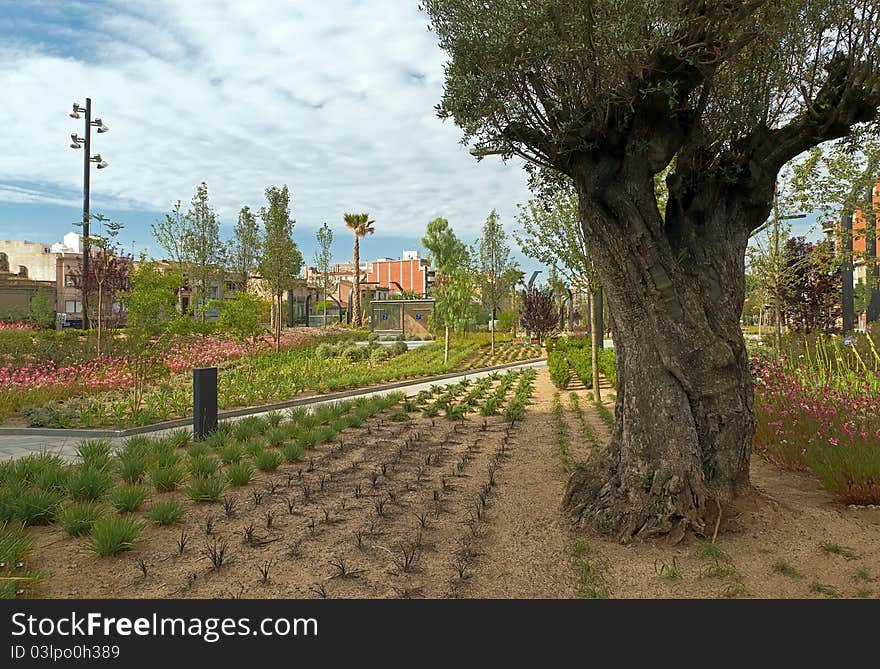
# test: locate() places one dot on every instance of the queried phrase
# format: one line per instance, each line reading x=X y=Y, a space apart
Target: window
x=4 y=262
x=73 y=306
x=22 y=271
x=71 y=280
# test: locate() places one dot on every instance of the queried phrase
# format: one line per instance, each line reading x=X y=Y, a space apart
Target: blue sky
x=335 y=99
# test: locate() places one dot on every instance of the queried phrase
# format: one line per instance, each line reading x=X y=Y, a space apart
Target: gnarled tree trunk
x=684 y=419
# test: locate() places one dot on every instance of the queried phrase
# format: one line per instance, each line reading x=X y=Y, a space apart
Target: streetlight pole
x=85 y=143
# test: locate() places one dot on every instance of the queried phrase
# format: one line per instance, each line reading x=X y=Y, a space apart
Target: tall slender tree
x=608 y=92
x=169 y=233
x=203 y=251
x=281 y=260
x=244 y=249
x=453 y=283
x=323 y=258
x=361 y=226
x=495 y=262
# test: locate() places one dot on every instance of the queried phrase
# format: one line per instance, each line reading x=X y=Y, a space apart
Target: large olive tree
x=608 y=92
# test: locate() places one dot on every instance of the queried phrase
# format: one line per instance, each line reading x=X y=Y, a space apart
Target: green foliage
x=553 y=235
x=42 y=311
x=166 y=477
x=202 y=466
x=129 y=498
x=281 y=260
x=558 y=367
x=77 y=518
x=15 y=545
x=205 y=488
x=242 y=316
x=114 y=534
x=30 y=506
x=95 y=453
x=166 y=512
x=244 y=249
x=151 y=303
x=240 y=474
x=267 y=460
x=608 y=365
x=88 y=483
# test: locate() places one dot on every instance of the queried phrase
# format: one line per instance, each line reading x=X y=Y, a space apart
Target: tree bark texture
x=356 y=299
x=684 y=416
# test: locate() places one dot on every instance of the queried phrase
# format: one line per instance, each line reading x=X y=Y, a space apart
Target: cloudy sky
x=334 y=98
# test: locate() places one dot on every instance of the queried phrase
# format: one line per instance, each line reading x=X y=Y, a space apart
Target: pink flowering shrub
x=30 y=381
x=17 y=325
x=829 y=426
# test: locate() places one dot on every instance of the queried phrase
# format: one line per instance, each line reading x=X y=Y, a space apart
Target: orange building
x=410 y=274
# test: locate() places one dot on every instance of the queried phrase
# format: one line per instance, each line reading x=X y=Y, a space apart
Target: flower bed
x=822 y=418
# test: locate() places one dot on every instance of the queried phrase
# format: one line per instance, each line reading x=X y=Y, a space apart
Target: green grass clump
x=784 y=568
x=231 y=453
x=668 y=570
x=33 y=506
x=267 y=461
x=202 y=466
x=824 y=589
x=114 y=534
x=96 y=453
x=240 y=473
x=199 y=450
x=205 y=489
x=88 y=483
x=14 y=548
x=178 y=438
x=166 y=477
x=276 y=436
x=836 y=549
x=166 y=512
x=292 y=452
x=77 y=518
x=129 y=498
x=134 y=458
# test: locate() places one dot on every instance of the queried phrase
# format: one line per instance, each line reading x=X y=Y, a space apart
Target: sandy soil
x=433 y=537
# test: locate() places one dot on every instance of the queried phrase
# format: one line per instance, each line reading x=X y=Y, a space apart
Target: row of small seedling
x=495 y=402
x=505 y=353
x=41 y=488
x=587 y=431
x=516 y=407
x=560 y=428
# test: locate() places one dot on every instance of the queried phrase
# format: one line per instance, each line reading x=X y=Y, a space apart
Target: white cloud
x=335 y=99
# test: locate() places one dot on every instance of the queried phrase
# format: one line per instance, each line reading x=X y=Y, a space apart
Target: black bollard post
x=204 y=401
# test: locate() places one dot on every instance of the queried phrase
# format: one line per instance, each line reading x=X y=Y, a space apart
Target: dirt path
x=526 y=550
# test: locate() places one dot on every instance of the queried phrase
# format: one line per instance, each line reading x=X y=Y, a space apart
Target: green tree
x=495 y=262
x=152 y=317
x=608 y=93
x=361 y=226
x=281 y=260
x=553 y=234
x=323 y=260
x=41 y=311
x=244 y=250
x=241 y=318
x=169 y=234
x=203 y=250
x=454 y=287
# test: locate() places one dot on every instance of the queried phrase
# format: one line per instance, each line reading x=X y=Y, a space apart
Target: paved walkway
x=16 y=446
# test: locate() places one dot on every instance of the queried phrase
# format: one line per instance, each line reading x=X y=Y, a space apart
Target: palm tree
x=361 y=226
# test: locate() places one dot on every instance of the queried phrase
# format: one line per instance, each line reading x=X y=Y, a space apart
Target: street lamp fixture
x=84 y=142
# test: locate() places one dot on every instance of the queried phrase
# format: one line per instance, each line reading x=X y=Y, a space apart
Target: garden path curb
x=238 y=413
